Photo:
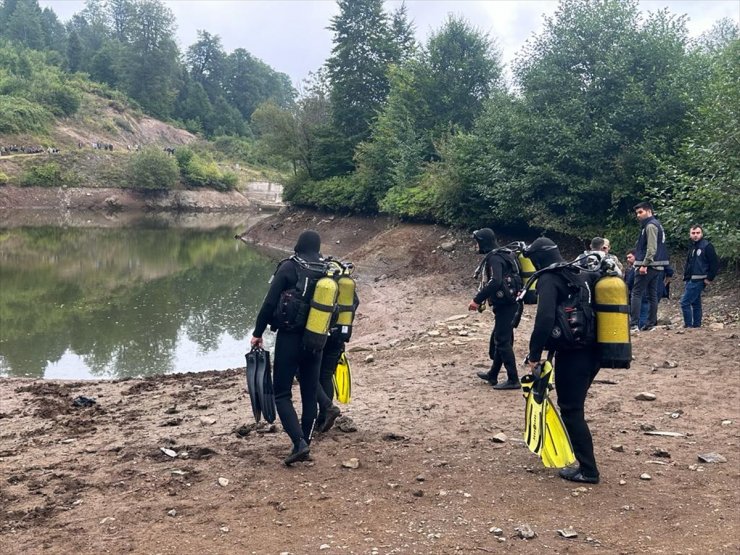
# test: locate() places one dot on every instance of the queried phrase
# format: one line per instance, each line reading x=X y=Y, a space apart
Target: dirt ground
x=431 y=479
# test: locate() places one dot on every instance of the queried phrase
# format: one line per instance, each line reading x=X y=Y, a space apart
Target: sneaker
x=486 y=377
x=331 y=415
x=575 y=475
x=647 y=328
x=299 y=453
x=634 y=329
x=508 y=384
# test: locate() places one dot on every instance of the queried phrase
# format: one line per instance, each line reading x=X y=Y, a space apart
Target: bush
x=199 y=172
x=61 y=100
x=18 y=115
x=336 y=193
x=3 y=179
x=153 y=169
x=45 y=175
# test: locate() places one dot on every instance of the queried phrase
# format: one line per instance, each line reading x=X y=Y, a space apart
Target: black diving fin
x=265 y=391
x=252 y=384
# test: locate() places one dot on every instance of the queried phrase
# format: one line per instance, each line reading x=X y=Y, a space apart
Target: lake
x=161 y=294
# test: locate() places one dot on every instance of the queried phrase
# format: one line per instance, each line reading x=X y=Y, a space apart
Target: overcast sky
x=291 y=35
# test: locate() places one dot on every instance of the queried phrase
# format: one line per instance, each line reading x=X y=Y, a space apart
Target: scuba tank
x=345 y=305
x=530 y=296
x=611 y=305
x=323 y=304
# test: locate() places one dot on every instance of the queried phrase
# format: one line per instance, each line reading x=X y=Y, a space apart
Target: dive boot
x=574 y=474
x=486 y=377
x=331 y=415
x=299 y=453
x=508 y=384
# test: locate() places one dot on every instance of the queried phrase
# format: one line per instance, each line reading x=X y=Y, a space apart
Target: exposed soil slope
x=430 y=477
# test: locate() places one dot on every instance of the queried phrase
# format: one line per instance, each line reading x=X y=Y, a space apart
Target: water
x=153 y=297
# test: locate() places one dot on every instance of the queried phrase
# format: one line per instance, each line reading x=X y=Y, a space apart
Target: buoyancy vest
x=511 y=282
x=291 y=312
x=661 y=253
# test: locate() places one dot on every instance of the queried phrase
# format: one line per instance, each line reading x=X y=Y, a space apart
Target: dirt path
x=430 y=480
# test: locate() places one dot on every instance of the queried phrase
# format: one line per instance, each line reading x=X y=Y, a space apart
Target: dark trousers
x=645 y=284
x=574 y=373
x=332 y=351
x=501 y=344
x=290 y=356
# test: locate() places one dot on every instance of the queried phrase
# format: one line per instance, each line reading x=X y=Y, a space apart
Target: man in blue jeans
x=701 y=268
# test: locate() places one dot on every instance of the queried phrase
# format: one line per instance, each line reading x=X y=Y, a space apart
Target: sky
x=292 y=35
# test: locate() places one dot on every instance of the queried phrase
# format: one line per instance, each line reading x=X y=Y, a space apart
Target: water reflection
x=78 y=303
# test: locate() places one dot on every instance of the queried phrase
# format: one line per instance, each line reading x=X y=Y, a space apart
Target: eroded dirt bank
x=430 y=477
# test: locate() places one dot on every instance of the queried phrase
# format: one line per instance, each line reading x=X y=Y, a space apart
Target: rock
x=369 y=359
x=670 y=364
x=499 y=438
x=107 y=519
x=622 y=482
x=716 y=326
x=429 y=406
x=664 y=434
x=357 y=349
x=207 y=421
x=324 y=546
x=496 y=531
x=645 y=476
x=661 y=453
x=168 y=452
x=224 y=529
x=712 y=458
x=645 y=396
x=345 y=424
x=448 y=246
x=456 y=317
x=618 y=448
x=420 y=478
x=647 y=427
x=417 y=493
x=676 y=414
x=223 y=482
x=727 y=422
x=351 y=463
x=568 y=532
x=172 y=512
x=434 y=333
x=463 y=333
x=525 y=532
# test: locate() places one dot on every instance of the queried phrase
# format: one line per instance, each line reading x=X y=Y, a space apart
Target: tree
x=205 y=61
x=358 y=65
x=23 y=23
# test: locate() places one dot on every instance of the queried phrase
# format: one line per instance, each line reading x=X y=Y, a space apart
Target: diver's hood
x=486 y=240
x=543 y=252
x=308 y=245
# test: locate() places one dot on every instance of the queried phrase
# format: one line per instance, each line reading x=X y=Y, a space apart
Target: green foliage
x=334 y=193
x=18 y=115
x=4 y=179
x=48 y=174
x=198 y=171
x=701 y=182
x=152 y=169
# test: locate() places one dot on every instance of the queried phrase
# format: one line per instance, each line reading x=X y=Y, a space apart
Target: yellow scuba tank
x=323 y=303
x=611 y=304
x=345 y=306
x=528 y=269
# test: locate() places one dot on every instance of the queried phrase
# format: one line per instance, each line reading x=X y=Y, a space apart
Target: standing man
x=294 y=278
x=575 y=368
x=651 y=257
x=500 y=285
x=701 y=268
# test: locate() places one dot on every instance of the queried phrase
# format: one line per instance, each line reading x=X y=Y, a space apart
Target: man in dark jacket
x=290 y=354
x=701 y=268
x=500 y=283
x=651 y=258
x=575 y=369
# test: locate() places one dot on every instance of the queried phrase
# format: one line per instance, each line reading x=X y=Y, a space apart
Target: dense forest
x=605 y=107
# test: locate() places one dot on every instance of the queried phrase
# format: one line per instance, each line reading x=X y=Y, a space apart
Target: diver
x=290 y=354
x=500 y=285
x=575 y=369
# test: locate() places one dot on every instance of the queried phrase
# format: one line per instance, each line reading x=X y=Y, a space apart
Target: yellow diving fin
x=557 y=451
x=534 y=388
x=343 y=380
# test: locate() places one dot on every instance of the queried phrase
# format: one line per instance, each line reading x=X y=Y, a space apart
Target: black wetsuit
x=575 y=370
x=290 y=356
x=501 y=344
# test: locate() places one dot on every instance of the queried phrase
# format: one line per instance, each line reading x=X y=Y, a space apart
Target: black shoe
x=331 y=415
x=299 y=453
x=647 y=328
x=508 y=384
x=575 y=475
x=485 y=376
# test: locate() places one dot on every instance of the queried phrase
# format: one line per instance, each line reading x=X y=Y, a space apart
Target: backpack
x=512 y=279
x=575 y=317
x=291 y=312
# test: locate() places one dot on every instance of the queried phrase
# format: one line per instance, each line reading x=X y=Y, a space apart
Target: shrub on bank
x=152 y=169
x=3 y=179
x=198 y=171
x=18 y=115
x=46 y=175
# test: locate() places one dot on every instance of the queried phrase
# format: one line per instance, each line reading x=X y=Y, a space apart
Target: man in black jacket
x=290 y=355
x=575 y=369
x=701 y=268
x=500 y=282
